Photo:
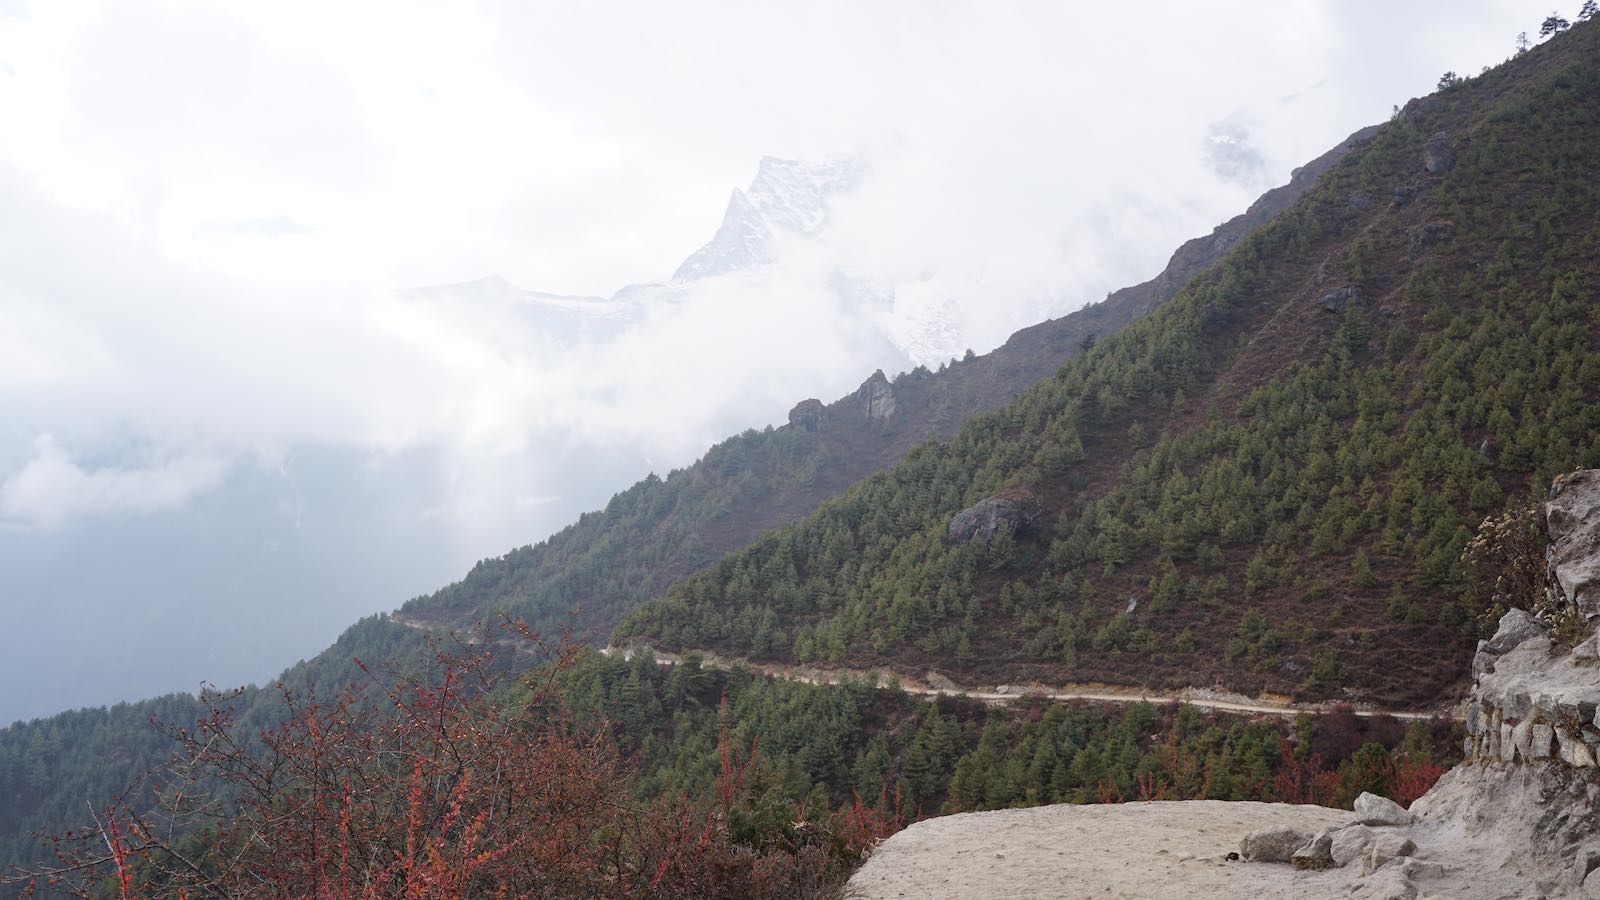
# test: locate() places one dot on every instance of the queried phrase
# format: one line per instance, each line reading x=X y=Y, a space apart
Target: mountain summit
x=787 y=197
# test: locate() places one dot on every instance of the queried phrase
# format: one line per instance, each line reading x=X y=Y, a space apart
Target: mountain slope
x=659 y=531
x=1267 y=483
x=648 y=537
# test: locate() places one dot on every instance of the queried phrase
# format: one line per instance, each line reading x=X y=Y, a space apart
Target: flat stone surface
x=1129 y=850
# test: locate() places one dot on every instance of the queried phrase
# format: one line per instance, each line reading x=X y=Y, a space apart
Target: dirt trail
x=935 y=684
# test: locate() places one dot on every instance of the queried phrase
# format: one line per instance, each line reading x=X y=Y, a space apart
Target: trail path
x=933 y=684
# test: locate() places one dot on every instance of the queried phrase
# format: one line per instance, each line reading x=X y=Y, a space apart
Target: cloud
x=206 y=210
x=51 y=489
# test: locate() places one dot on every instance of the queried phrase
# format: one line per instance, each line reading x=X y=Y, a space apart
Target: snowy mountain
x=787 y=197
x=774 y=246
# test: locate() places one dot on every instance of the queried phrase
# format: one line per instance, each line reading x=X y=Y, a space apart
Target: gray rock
x=1374 y=810
x=1336 y=301
x=1521 y=737
x=1482 y=661
x=1572 y=750
x=1437 y=157
x=1384 y=848
x=1360 y=200
x=1587 y=651
x=1402 y=194
x=1273 y=845
x=1539 y=741
x=1516 y=626
x=1573 y=515
x=981 y=521
x=1421 y=870
x=875 y=397
x=1316 y=853
x=1591 y=886
x=1390 y=884
x=1350 y=844
x=1508 y=750
x=1516 y=704
x=1584 y=862
x=808 y=415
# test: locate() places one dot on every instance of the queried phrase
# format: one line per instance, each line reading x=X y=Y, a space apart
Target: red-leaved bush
x=447 y=789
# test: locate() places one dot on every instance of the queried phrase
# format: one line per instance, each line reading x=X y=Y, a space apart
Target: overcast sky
x=205 y=208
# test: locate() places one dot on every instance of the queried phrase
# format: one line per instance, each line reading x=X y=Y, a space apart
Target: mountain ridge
x=1320 y=417
x=840 y=446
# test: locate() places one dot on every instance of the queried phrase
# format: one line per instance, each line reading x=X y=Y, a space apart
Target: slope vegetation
x=1265 y=485
x=659 y=531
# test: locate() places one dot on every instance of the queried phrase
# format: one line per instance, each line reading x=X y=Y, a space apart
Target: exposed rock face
x=875 y=397
x=808 y=415
x=1437 y=156
x=1573 y=516
x=1516 y=626
x=981 y=521
x=1336 y=301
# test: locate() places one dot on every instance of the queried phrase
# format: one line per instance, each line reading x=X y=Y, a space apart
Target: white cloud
x=51 y=489
x=207 y=205
x=205 y=209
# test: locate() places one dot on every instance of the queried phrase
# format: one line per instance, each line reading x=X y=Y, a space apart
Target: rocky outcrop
x=1014 y=509
x=1336 y=301
x=1437 y=157
x=1573 y=518
x=808 y=415
x=875 y=398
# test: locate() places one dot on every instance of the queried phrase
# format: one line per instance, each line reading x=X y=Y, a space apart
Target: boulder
x=1516 y=626
x=1316 y=853
x=1374 y=810
x=1274 y=845
x=875 y=398
x=1015 y=508
x=808 y=415
x=1336 y=301
x=1573 y=516
x=1350 y=844
x=1437 y=157
x=1386 y=847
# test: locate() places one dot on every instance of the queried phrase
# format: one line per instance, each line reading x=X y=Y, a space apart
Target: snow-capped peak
x=786 y=196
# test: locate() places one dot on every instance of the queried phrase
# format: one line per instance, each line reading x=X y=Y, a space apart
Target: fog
x=228 y=426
